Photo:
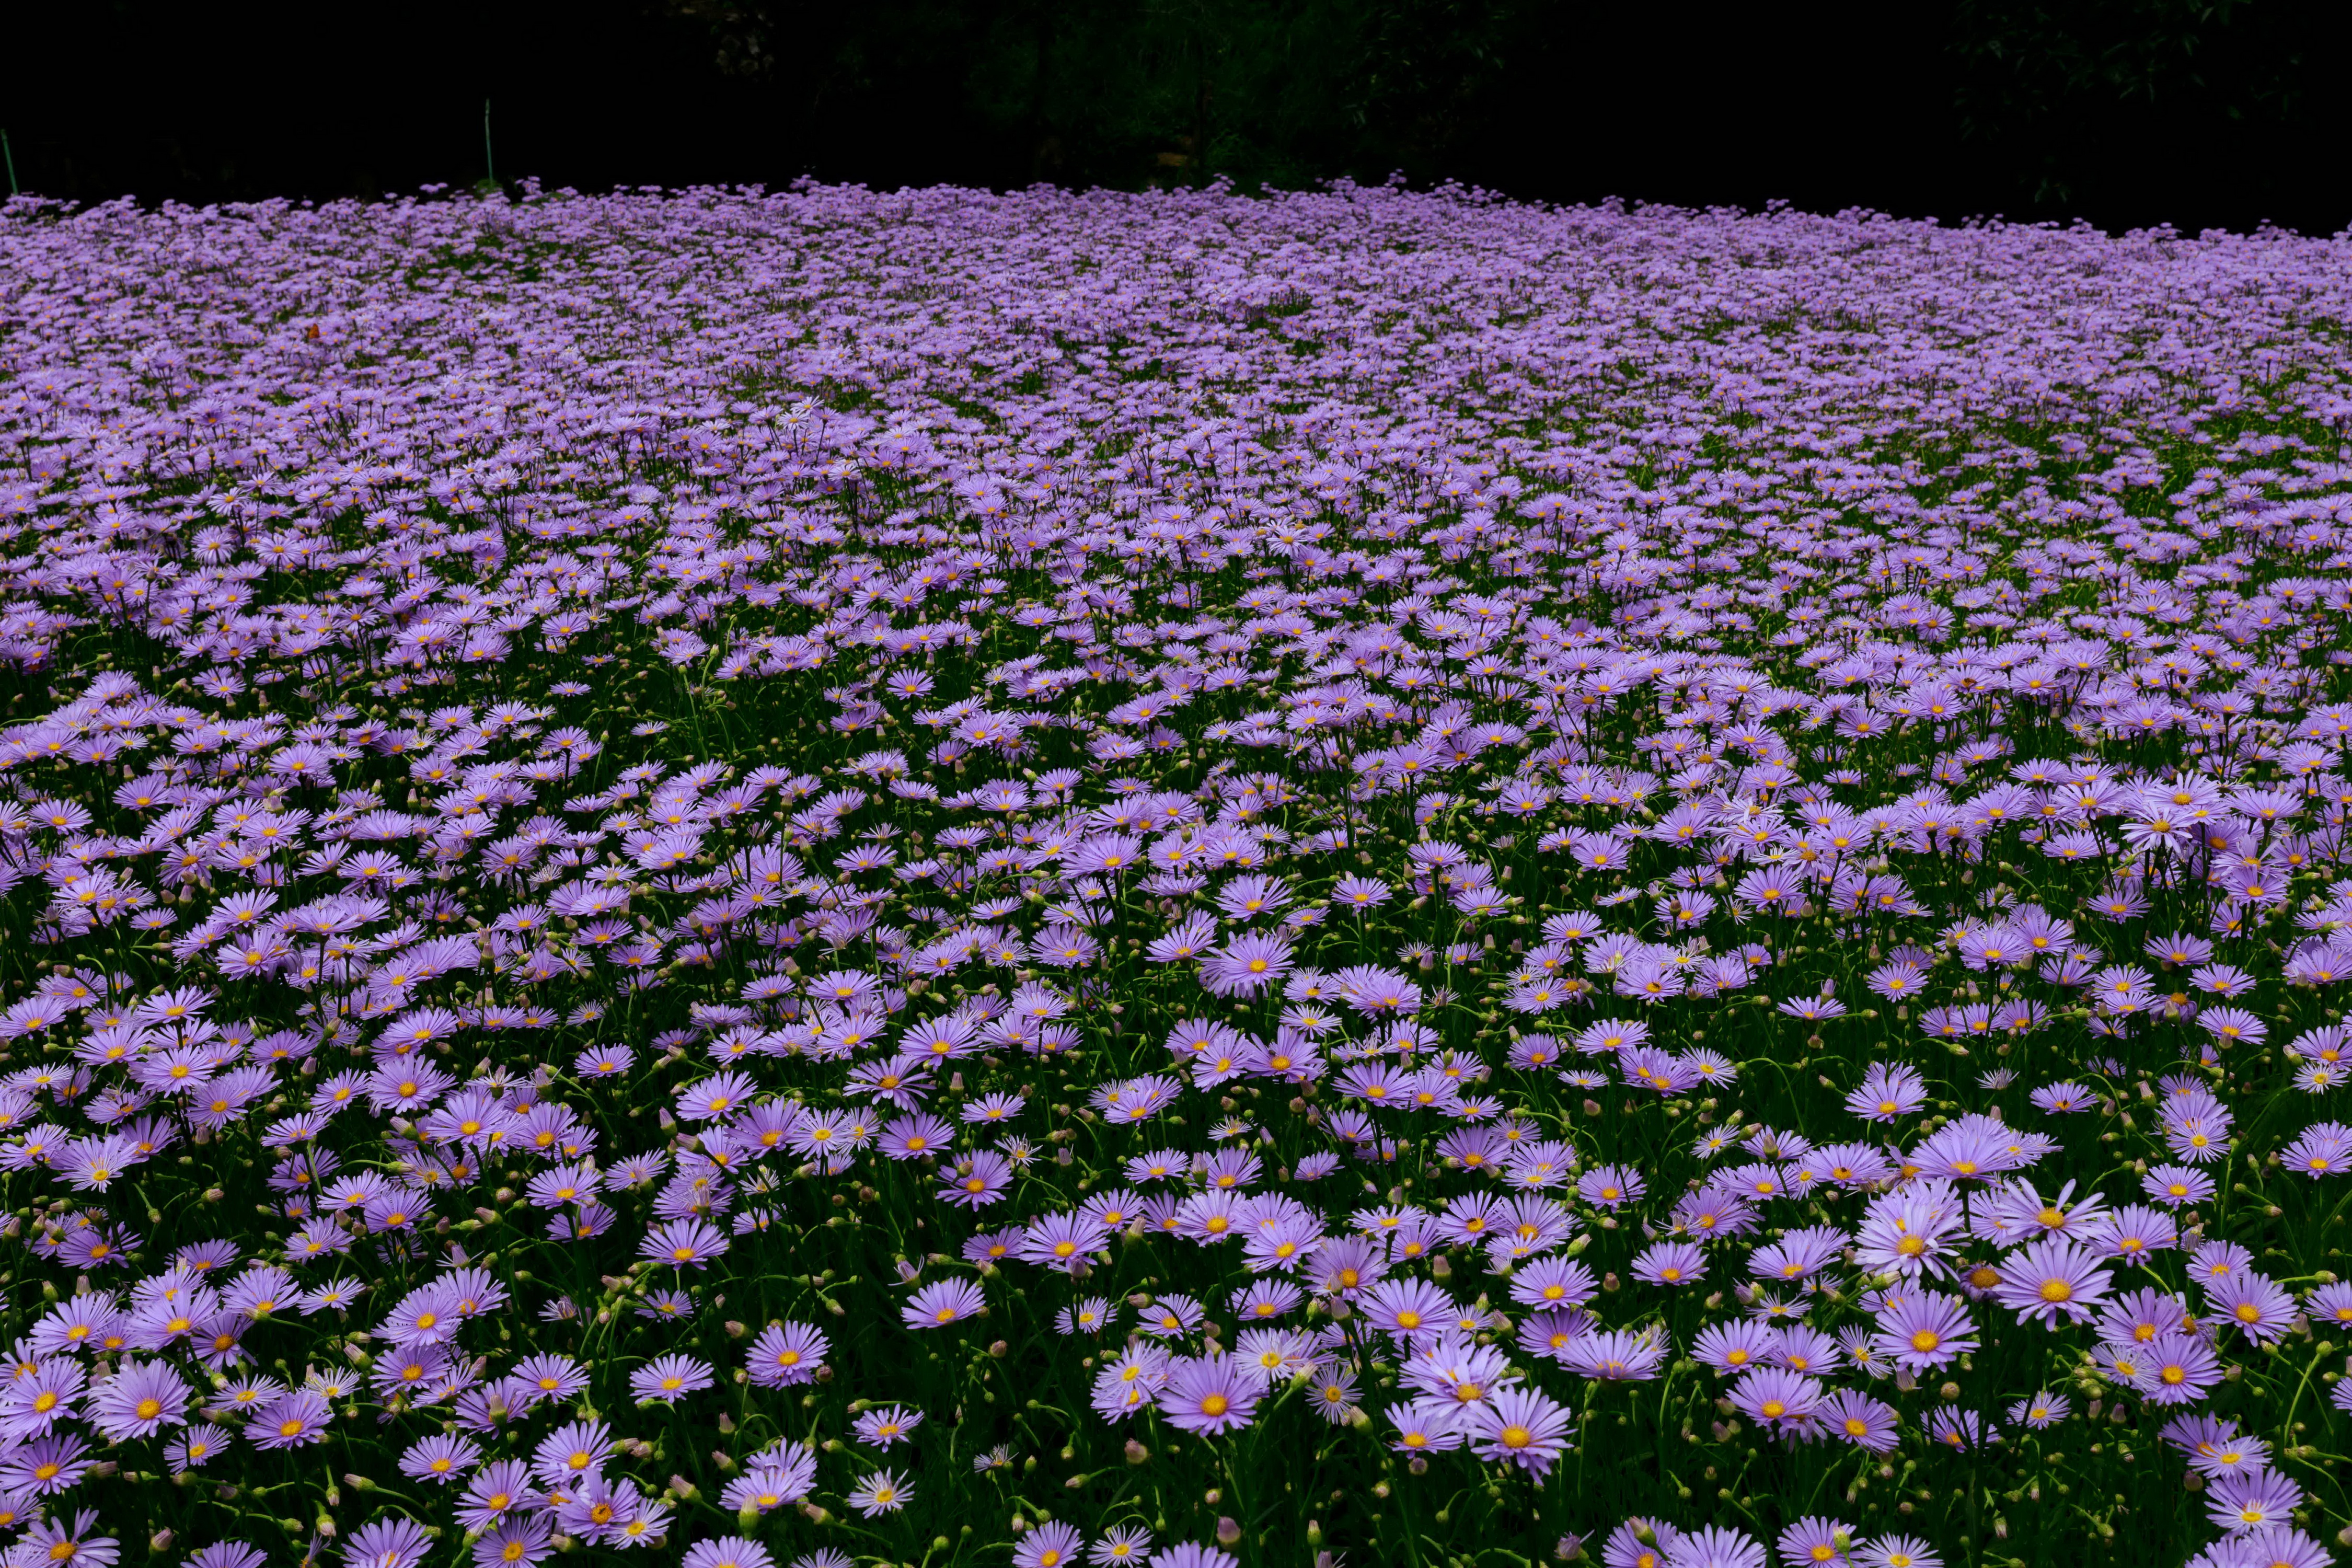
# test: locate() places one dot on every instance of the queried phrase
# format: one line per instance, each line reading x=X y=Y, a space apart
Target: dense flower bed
x=939 y=879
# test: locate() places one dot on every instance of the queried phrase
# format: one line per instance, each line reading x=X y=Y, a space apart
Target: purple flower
x=765 y=1486
x=358 y=794
x=191 y=1451
x=786 y=1354
x=440 y=1458
x=2252 y=1303
x=2198 y=1128
x=516 y=1543
x=1816 y=1541
x=1191 y=1554
x=1429 y=1424
x=668 y=1379
x=684 y=1244
x=1887 y=1091
x=40 y=1397
x=1856 y=1418
x=884 y=1491
x=1126 y=1544
x=428 y=1316
x=889 y=1425
x=2040 y=1412
x=1669 y=1263
x=227 y=1554
x=1786 y=1399
x=1062 y=1241
x=140 y=1400
x=1614 y=1355
x=976 y=1181
x=1247 y=964
x=291 y=1420
x=1187 y=940
x=495 y=1490
x=1925 y=1331
x=1408 y=1308
x=2324 y=1149
x=1956 y=1428
x=387 y=1544
x=2272 y=1546
x=941 y=1302
x=2177 y=1369
x=2241 y=1504
x=55 y=1541
x=1715 y=1547
x=1050 y=1545
x=1734 y=1347
x=1522 y=1427
x=2177 y=1186
x=728 y=1551
x=575 y=1451
x=2052 y=1279
x=1209 y=1395
x=1897 y=1551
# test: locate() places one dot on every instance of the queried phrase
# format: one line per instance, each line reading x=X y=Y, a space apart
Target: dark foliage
x=2125 y=111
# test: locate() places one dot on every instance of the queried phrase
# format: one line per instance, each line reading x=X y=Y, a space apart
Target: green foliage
x=2059 y=89
x=1272 y=92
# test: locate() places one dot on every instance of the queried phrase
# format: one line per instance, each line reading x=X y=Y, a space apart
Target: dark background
x=2125 y=112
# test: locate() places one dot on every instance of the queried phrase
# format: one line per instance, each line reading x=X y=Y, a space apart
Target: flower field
x=753 y=879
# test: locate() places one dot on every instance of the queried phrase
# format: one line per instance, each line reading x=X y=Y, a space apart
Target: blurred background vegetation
x=2199 y=113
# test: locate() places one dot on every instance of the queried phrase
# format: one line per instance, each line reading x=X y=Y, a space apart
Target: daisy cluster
x=815 y=878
